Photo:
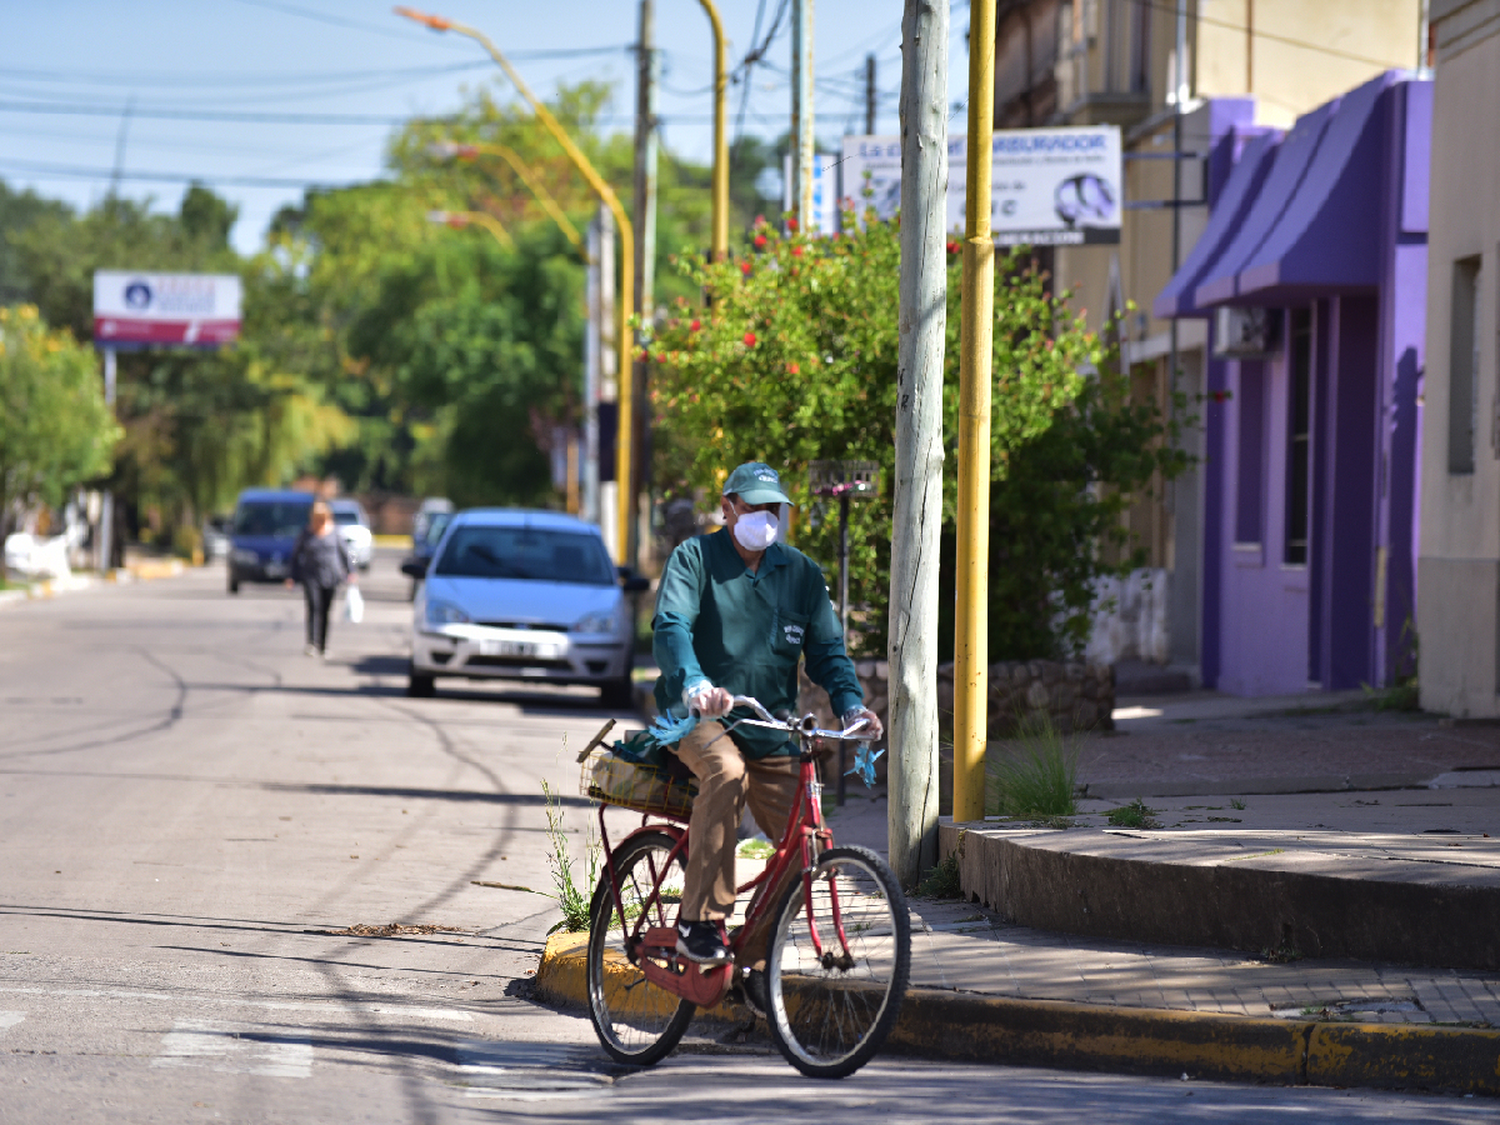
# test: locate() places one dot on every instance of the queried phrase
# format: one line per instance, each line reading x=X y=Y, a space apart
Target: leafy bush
x=795 y=360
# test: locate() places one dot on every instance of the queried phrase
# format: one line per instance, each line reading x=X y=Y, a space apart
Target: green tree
x=197 y=426
x=794 y=360
x=55 y=430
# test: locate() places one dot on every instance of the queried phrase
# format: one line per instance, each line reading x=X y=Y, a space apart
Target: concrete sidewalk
x=1414 y=870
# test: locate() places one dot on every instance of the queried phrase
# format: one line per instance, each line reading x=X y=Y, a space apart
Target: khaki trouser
x=726 y=780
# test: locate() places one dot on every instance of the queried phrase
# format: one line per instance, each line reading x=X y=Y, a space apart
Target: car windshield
x=280 y=518
x=543 y=555
x=344 y=517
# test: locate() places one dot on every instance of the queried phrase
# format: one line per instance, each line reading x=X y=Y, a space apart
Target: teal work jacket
x=745 y=631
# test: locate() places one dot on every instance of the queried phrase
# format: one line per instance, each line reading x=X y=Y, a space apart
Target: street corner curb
x=1399 y=1056
x=156 y=568
x=968 y=1027
x=562 y=978
x=965 y=1027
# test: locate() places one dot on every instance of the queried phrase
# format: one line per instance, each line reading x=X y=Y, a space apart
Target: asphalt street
x=239 y=884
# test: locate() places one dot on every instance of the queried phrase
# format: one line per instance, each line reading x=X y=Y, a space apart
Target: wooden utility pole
x=971 y=624
x=913 y=808
x=869 y=95
x=803 y=145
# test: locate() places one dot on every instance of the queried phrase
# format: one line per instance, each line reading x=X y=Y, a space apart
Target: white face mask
x=756 y=531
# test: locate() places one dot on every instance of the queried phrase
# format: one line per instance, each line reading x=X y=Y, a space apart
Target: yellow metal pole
x=460 y=219
x=720 y=240
x=624 y=440
x=468 y=150
x=976 y=357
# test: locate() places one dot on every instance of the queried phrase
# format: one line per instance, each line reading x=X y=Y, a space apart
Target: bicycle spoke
x=636 y=1021
x=839 y=965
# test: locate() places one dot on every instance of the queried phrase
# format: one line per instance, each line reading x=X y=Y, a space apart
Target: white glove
x=706 y=701
x=872 y=721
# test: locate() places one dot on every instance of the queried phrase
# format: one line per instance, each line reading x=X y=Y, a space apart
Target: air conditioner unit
x=1251 y=333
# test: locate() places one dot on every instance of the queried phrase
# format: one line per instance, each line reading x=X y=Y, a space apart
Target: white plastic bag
x=354 y=605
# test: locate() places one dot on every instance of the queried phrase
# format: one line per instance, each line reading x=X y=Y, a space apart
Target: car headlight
x=244 y=557
x=595 y=623
x=445 y=613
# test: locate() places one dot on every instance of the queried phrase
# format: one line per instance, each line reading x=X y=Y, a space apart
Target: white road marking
x=528 y=1071
x=235 y=1049
x=361 y=1008
x=9 y=1020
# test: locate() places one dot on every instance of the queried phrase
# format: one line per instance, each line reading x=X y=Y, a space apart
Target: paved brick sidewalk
x=961 y=947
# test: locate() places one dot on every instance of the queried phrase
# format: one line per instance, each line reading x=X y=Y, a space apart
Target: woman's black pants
x=319 y=601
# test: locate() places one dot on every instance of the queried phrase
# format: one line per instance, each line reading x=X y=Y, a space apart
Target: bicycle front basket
x=614 y=780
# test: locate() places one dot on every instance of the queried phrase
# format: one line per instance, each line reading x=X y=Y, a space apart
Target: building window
x=1250 y=476
x=1299 y=437
x=1463 y=366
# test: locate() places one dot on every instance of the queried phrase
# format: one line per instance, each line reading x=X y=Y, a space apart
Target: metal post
x=591 y=356
x=719 y=243
x=107 y=504
x=802 y=113
x=917 y=488
x=644 y=263
x=843 y=614
x=971 y=617
x=612 y=515
x=869 y=95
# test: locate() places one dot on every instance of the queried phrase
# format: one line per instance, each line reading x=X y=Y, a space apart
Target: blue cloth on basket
x=649 y=747
x=864 y=764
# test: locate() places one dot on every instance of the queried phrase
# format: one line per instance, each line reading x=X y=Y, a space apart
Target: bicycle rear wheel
x=636 y=1021
x=835 y=978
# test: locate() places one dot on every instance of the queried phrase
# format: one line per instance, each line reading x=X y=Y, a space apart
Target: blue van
x=266 y=524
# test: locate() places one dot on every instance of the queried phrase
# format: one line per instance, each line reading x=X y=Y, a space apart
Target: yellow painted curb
x=403 y=541
x=968 y=1027
x=147 y=571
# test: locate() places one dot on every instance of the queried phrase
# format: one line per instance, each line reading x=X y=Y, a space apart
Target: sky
x=261 y=98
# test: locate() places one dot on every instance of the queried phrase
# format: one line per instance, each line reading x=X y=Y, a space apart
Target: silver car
x=354 y=528
x=523 y=595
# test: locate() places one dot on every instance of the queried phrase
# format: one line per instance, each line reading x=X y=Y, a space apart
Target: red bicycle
x=822 y=947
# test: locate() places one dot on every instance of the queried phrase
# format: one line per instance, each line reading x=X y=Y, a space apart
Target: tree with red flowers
x=794 y=360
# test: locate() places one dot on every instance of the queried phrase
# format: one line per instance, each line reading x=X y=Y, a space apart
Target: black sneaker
x=702 y=942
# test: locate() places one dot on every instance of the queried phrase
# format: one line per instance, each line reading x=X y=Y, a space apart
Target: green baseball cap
x=755 y=482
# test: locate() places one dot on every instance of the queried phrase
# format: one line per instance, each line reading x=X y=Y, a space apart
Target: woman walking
x=320 y=562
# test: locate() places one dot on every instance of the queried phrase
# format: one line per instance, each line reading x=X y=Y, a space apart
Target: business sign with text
x=194 y=310
x=1049 y=187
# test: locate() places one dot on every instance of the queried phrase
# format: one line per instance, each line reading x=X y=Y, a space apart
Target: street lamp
x=458 y=220
x=468 y=151
x=626 y=405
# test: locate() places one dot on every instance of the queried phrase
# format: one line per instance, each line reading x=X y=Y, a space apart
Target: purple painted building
x=1312 y=270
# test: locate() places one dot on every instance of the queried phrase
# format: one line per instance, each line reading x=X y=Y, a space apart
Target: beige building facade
x=1458 y=602
x=1079 y=62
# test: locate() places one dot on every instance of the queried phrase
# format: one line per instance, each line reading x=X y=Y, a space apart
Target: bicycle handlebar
x=805 y=726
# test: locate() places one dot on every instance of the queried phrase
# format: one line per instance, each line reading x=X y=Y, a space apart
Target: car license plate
x=275 y=570
x=509 y=648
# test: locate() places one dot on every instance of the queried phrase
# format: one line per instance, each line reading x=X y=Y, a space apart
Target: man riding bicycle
x=735 y=611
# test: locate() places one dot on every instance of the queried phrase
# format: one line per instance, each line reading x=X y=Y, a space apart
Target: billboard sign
x=195 y=310
x=872 y=175
x=825 y=212
x=1050 y=187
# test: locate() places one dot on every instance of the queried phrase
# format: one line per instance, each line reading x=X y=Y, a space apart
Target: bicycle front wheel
x=636 y=1021
x=838 y=964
